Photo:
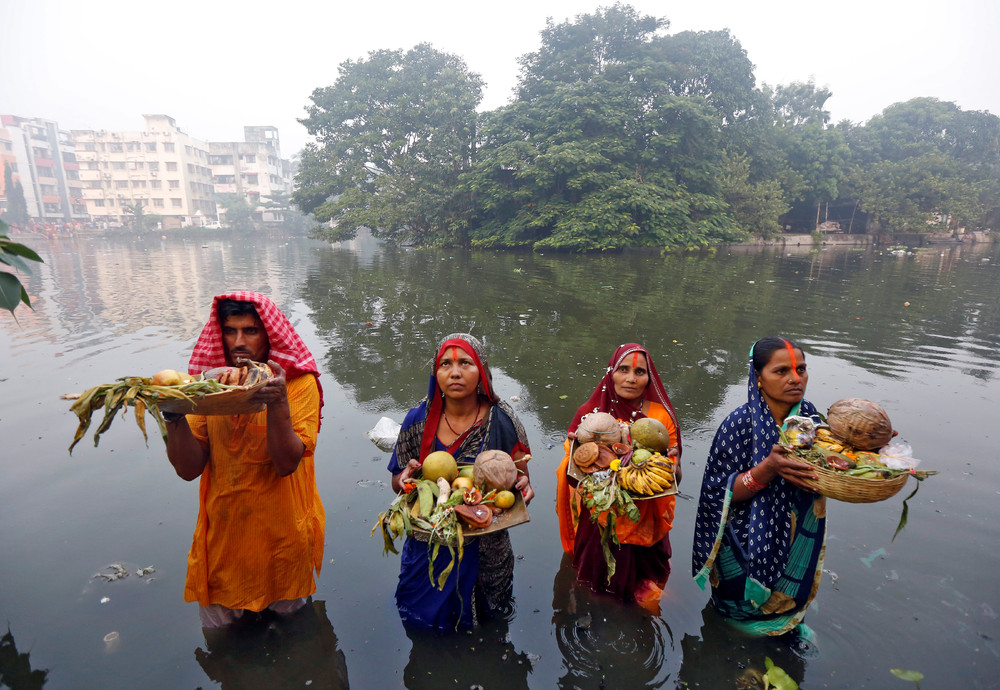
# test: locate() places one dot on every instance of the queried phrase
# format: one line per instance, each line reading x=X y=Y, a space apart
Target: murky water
x=918 y=332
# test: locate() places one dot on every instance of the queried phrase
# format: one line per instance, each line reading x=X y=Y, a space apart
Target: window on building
x=171 y=166
x=174 y=184
x=250 y=158
x=99 y=203
x=155 y=184
x=158 y=203
x=168 y=147
x=151 y=146
x=251 y=179
x=132 y=146
x=139 y=184
x=176 y=203
x=89 y=147
x=117 y=165
x=111 y=202
x=121 y=184
x=191 y=167
x=115 y=147
x=153 y=166
x=92 y=165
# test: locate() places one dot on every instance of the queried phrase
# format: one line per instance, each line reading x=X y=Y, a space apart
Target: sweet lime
x=504 y=499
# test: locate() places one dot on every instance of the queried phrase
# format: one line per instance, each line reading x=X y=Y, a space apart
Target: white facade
x=253 y=170
x=161 y=167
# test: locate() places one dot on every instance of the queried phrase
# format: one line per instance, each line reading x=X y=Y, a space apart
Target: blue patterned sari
x=763 y=557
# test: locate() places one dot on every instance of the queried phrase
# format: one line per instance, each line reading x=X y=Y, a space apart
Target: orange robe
x=259 y=536
x=656 y=515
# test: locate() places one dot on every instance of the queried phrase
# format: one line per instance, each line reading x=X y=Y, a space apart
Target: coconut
x=650 y=433
x=494 y=469
x=600 y=427
x=861 y=424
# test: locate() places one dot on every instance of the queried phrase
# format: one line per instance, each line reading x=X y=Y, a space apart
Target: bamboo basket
x=842 y=487
x=233 y=401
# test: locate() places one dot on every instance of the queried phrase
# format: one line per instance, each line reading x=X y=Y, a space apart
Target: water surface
x=919 y=332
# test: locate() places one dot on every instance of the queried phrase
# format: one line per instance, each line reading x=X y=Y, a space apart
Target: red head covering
x=604 y=398
x=287 y=348
x=435 y=399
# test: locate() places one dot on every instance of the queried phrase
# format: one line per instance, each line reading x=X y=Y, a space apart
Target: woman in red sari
x=630 y=389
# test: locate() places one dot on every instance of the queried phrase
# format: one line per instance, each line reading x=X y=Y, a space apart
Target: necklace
x=479 y=406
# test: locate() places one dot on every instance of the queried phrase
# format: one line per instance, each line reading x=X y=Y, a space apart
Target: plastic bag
x=898 y=455
x=384 y=434
x=800 y=431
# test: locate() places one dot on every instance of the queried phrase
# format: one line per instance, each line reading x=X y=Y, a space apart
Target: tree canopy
x=620 y=134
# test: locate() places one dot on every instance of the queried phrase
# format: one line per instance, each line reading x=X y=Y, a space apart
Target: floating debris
x=143 y=572
x=867 y=560
x=112 y=572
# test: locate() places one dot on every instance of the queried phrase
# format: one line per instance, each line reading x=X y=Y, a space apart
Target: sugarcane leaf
x=904 y=514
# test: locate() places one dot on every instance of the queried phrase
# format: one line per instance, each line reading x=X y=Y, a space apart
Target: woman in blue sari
x=463 y=415
x=760 y=532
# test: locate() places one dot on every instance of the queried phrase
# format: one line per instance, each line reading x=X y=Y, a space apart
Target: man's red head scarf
x=604 y=398
x=287 y=348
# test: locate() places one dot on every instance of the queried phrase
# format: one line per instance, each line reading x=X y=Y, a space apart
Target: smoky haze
x=217 y=66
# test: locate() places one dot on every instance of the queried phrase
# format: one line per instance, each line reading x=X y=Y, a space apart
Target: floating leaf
x=904 y=674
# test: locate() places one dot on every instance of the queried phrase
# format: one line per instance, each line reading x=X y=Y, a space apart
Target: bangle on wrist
x=751 y=484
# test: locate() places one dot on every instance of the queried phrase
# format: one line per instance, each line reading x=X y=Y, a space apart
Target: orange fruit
x=504 y=499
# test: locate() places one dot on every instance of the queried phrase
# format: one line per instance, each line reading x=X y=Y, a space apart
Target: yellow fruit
x=440 y=463
x=504 y=499
x=167 y=377
x=462 y=482
x=466 y=471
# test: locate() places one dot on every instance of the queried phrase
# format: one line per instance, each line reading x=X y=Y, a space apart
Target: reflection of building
x=161 y=168
x=43 y=159
x=252 y=170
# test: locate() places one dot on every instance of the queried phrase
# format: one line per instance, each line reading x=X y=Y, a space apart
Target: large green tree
x=926 y=164
x=393 y=135
x=599 y=150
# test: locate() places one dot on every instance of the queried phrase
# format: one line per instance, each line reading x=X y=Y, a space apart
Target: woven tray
x=234 y=401
x=843 y=487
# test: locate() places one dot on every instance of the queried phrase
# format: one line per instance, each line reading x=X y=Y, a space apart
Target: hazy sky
x=217 y=66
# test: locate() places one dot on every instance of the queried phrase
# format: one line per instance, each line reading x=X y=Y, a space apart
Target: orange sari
x=259 y=536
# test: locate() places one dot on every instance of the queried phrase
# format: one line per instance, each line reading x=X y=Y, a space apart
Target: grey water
x=917 y=331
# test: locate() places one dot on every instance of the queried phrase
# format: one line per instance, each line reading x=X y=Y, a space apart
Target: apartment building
x=43 y=159
x=253 y=170
x=162 y=168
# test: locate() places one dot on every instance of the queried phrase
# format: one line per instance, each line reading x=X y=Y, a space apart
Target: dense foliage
x=618 y=135
x=13 y=255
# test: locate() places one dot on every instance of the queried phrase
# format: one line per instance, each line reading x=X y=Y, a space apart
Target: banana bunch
x=651 y=477
x=827 y=440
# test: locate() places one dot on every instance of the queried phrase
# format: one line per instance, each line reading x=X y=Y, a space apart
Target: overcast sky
x=216 y=66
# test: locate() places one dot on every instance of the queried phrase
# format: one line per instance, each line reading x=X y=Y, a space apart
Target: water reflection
x=484 y=657
x=721 y=657
x=15 y=667
x=276 y=652
x=884 y=313
x=91 y=290
x=607 y=646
